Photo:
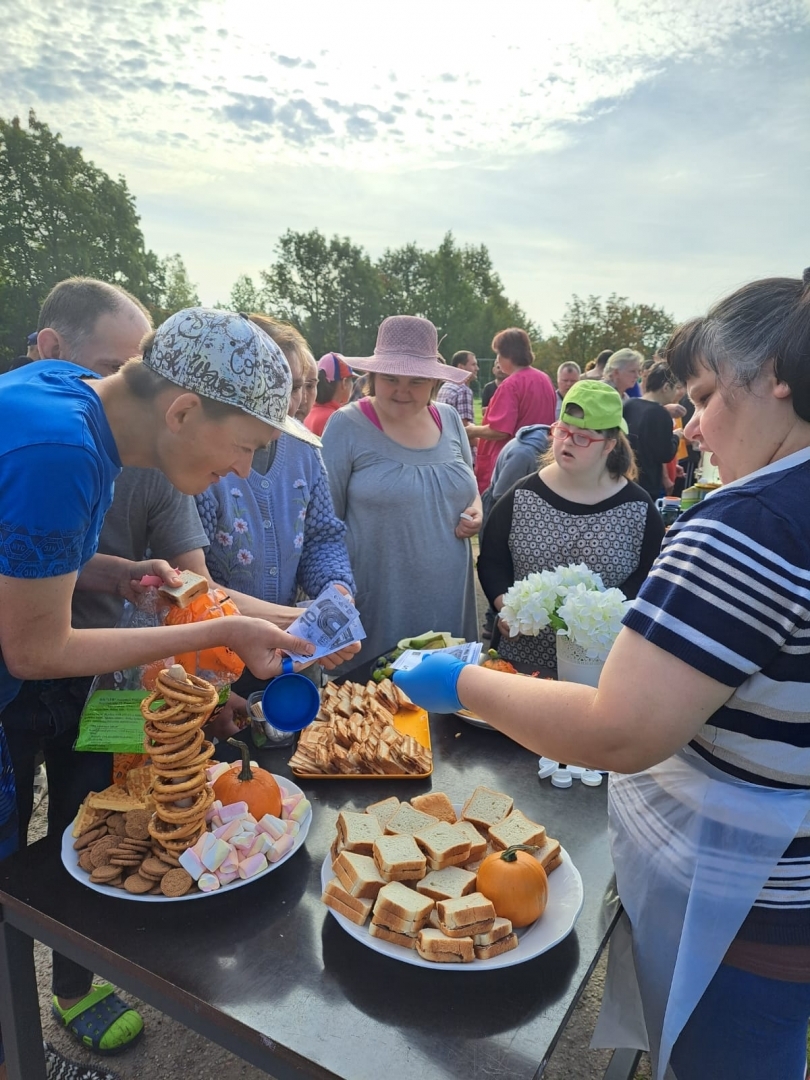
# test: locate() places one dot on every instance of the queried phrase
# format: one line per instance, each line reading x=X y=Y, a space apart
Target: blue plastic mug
x=291 y=701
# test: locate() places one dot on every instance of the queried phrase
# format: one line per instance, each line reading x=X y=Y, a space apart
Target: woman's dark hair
x=145 y=384
x=659 y=376
x=514 y=344
x=765 y=322
x=326 y=389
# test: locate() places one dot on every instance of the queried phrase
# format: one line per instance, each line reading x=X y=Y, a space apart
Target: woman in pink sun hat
x=401 y=477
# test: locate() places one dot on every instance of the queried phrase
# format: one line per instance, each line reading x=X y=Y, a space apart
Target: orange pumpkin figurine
x=253 y=786
x=516 y=883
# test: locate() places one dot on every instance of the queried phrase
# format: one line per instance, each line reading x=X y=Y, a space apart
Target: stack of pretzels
x=174 y=715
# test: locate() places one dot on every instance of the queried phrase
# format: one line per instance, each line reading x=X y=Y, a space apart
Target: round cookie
x=116 y=824
x=89 y=837
x=100 y=852
x=176 y=882
x=105 y=875
x=86 y=861
x=168 y=858
x=137 y=824
x=137 y=885
x=154 y=868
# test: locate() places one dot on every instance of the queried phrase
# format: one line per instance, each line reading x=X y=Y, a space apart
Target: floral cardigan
x=272 y=534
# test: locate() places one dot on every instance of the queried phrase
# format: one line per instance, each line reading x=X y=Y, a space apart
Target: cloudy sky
x=656 y=148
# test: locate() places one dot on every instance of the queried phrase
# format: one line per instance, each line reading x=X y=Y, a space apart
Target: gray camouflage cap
x=226 y=357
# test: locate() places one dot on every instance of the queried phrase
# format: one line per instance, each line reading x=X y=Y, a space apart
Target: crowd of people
x=215 y=443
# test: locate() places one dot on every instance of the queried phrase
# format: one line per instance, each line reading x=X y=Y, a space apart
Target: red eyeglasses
x=560 y=432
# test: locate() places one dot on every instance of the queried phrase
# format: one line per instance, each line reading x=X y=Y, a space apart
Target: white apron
x=692 y=847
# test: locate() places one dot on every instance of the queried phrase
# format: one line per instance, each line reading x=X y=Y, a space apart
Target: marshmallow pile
x=239 y=846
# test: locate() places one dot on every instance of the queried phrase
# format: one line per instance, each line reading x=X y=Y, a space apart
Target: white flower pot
x=574 y=666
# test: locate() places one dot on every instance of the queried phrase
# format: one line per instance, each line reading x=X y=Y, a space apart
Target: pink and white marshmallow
x=252 y=866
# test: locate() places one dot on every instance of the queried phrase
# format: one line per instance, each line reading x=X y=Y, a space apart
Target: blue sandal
x=101 y=1021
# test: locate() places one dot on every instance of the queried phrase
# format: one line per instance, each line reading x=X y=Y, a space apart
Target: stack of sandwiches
x=354 y=733
x=411 y=869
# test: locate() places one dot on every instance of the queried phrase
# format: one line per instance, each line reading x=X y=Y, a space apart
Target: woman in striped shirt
x=710 y=793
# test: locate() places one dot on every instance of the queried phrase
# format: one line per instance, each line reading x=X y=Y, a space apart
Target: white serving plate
x=70 y=861
x=565 y=898
x=473 y=720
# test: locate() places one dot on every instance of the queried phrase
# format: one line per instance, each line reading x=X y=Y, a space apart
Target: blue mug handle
x=287 y=666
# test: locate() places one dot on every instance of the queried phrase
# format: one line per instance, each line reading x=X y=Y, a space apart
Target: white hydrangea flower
x=592 y=618
x=528 y=605
x=579 y=574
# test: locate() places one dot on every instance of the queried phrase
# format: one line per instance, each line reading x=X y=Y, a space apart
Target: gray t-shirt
x=401 y=508
x=148 y=517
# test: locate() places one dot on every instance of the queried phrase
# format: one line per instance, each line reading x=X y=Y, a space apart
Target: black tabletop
x=269 y=967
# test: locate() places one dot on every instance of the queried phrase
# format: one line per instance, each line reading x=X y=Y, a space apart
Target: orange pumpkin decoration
x=516 y=883
x=256 y=787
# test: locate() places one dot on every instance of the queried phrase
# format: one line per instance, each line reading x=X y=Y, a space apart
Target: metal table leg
x=622 y=1065
x=19 y=1006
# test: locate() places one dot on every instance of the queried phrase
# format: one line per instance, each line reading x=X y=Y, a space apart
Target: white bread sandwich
x=478 y=843
x=357 y=832
x=447 y=884
x=437 y=804
x=408 y=820
x=358 y=874
x=384 y=810
x=433 y=945
x=191 y=587
x=399 y=926
x=502 y=945
x=516 y=829
x=466 y=916
x=407 y=941
x=444 y=845
x=486 y=808
x=501 y=928
x=356 y=910
x=396 y=901
x=399 y=858
x=549 y=854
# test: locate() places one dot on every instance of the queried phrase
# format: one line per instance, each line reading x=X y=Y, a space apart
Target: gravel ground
x=170 y=1051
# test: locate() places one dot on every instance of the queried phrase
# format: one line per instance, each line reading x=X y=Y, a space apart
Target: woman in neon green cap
x=581 y=507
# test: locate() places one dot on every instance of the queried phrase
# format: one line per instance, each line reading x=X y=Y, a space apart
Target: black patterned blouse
x=532 y=528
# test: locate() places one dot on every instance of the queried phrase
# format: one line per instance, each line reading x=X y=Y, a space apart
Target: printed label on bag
x=111 y=722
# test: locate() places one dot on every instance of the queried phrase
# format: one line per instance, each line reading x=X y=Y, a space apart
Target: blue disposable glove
x=432 y=684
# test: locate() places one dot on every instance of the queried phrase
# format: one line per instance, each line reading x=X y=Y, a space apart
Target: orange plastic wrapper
x=122 y=763
x=220 y=665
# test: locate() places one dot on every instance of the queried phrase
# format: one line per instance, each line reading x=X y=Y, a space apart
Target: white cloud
x=644 y=146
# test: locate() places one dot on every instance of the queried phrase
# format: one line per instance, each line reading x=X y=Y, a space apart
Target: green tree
x=337 y=297
x=245 y=296
x=590 y=325
x=329 y=289
x=456 y=288
x=173 y=289
x=60 y=215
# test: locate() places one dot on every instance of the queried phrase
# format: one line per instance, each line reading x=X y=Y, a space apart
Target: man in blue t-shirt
x=212 y=389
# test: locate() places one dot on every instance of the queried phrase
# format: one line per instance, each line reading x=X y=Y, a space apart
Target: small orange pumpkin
x=516 y=883
x=256 y=787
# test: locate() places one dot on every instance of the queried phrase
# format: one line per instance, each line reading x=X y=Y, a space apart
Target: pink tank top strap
x=370 y=413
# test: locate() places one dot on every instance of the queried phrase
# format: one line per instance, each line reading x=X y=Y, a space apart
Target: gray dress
x=401 y=508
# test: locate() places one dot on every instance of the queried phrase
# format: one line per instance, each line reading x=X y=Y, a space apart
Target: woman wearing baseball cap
x=581 y=507
x=335 y=380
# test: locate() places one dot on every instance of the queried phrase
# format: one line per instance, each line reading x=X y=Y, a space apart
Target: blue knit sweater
x=272 y=533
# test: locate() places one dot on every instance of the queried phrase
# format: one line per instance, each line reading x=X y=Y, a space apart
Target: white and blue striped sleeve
x=729 y=590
